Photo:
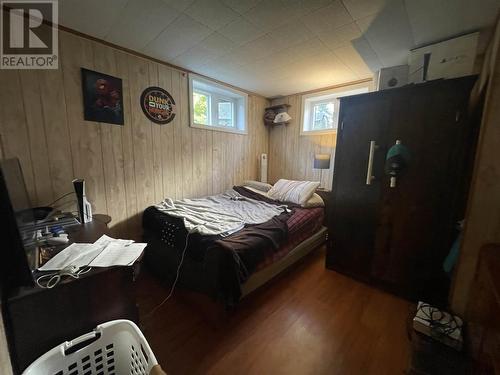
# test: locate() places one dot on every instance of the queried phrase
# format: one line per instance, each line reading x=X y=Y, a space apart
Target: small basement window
x=217 y=107
x=320 y=110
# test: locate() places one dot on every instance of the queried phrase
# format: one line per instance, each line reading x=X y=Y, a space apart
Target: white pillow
x=314 y=201
x=262 y=186
x=297 y=192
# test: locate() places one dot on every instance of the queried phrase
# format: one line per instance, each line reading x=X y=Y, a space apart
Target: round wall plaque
x=158 y=105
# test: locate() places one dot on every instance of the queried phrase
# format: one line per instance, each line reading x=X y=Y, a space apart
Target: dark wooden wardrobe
x=398 y=237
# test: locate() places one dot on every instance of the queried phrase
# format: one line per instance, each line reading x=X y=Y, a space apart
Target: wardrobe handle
x=369 y=172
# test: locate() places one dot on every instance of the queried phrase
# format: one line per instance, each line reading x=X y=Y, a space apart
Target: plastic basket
x=116 y=347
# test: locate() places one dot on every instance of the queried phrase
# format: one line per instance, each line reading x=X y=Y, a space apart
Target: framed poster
x=102 y=97
x=158 y=105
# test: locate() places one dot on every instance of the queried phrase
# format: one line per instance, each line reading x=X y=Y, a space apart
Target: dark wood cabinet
x=399 y=236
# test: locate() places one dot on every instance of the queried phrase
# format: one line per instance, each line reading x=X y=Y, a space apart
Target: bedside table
x=327 y=196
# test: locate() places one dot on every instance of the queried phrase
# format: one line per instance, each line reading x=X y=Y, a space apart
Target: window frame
x=218 y=92
x=309 y=101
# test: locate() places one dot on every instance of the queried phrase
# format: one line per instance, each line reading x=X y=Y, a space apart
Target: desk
x=38 y=319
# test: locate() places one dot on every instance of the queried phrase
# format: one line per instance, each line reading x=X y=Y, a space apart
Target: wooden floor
x=309 y=321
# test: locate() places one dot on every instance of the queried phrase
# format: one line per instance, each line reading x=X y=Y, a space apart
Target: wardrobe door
x=363 y=123
x=417 y=217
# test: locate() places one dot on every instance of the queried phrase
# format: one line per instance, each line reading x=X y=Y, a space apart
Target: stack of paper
x=105 y=252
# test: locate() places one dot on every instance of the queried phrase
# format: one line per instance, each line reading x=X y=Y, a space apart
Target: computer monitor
x=17 y=223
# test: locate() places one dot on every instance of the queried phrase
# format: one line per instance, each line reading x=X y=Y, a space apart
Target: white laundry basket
x=116 y=347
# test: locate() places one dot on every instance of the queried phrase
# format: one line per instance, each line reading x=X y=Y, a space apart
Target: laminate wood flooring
x=308 y=321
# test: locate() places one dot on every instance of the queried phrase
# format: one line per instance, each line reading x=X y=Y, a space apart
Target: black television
x=17 y=223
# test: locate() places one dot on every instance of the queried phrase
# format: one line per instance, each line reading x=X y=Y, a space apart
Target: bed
x=226 y=267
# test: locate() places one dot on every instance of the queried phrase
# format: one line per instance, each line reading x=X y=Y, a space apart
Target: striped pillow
x=297 y=192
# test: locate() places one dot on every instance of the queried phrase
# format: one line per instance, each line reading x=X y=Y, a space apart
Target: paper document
x=106 y=240
x=76 y=254
x=119 y=255
x=105 y=252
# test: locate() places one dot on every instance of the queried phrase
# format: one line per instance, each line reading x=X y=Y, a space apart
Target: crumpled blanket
x=220 y=214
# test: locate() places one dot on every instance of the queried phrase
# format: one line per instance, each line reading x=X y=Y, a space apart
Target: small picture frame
x=102 y=97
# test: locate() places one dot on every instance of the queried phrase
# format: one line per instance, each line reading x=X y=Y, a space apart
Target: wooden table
x=39 y=319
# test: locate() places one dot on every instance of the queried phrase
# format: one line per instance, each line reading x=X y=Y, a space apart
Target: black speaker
x=79 y=185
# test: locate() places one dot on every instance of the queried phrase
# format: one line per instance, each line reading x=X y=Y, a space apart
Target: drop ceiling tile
x=179 y=5
x=340 y=36
x=241 y=31
x=390 y=35
x=211 y=13
x=238 y=56
x=218 y=44
x=140 y=22
x=181 y=35
x=233 y=58
x=92 y=17
x=254 y=50
x=291 y=34
x=276 y=60
x=263 y=46
x=311 y=5
x=312 y=47
x=363 y=8
x=222 y=63
x=226 y=75
x=352 y=59
x=308 y=75
x=213 y=46
x=326 y=67
x=322 y=20
x=242 y=6
x=274 y=14
x=365 y=22
x=432 y=21
x=367 y=53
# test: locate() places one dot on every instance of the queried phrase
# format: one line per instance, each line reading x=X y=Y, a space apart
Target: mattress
x=303 y=223
x=218 y=266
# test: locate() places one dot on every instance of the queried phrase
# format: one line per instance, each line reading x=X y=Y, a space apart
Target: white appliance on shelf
x=395 y=76
x=451 y=58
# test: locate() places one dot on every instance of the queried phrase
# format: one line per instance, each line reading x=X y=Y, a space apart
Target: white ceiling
x=277 y=47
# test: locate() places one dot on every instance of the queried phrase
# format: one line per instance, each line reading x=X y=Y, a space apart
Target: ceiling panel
x=93 y=17
x=277 y=47
x=291 y=34
x=242 y=6
x=340 y=36
x=434 y=20
x=215 y=45
x=390 y=35
x=367 y=54
x=363 y=8
x=179 y=5
x=273 y=13
x=140 y=22
x=323 y=20
x=352 y=59
x=177 y=37
x=211 y=13
x=241 y=31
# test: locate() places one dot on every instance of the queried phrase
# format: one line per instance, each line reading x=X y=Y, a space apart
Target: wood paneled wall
x=126 y=168
x=291 y=155
x=482 y=220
